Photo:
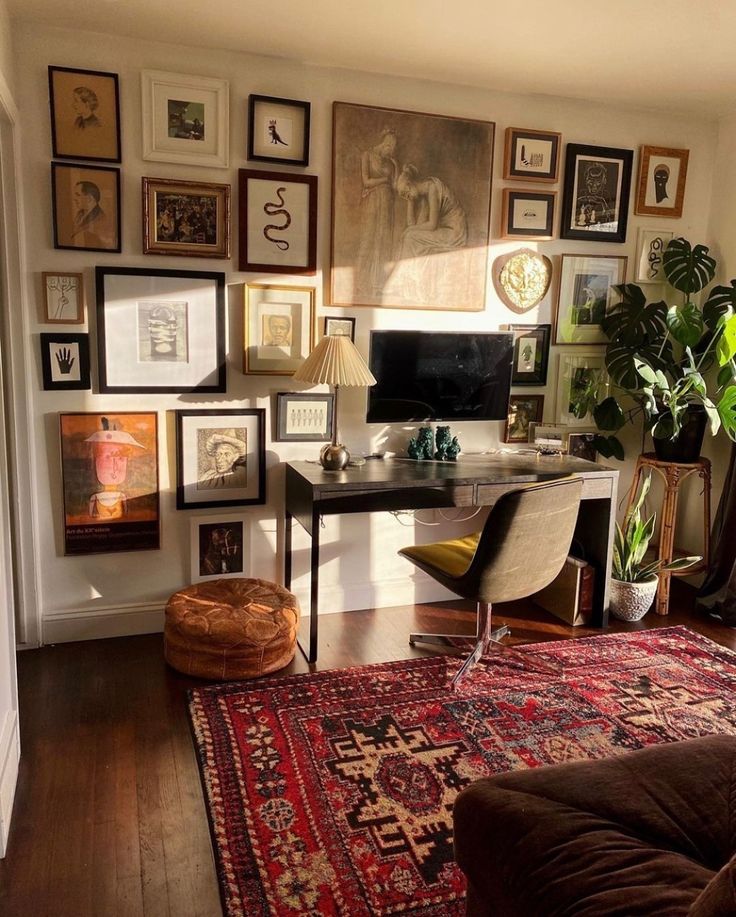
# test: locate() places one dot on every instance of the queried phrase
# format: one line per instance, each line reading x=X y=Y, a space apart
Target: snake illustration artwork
x=272 y=209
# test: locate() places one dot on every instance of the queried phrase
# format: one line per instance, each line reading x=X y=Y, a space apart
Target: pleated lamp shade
x=335 y=361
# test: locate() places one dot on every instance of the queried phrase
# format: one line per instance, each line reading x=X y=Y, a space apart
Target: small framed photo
x=581 y=445
x=595 y=202
x=85 y=114
x=279 y=328
x=278 y=130
x=220 y=457
x=523 y=411
x=63 y=296
x=339 y=326
x=581 y=384
x=528 y=214
x=160 y=330
x=585 y=295
x=302 y=417
x=185 y=118
x=548 y=437
x=531 y=354
x=531 y=155
x=278 y=222
x=220 y=547
x=65 y=361
x=661 y=185
x=86 y=207
x=186 y=218
x=650 y=255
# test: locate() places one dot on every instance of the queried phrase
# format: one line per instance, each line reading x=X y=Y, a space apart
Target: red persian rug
x=332 y=793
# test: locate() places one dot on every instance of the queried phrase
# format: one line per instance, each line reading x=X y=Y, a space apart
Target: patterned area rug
x=332 y=793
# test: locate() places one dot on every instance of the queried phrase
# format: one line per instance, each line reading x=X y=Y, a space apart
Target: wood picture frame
x=304 y=417
x=63 y=298
x=219 y=547
x=278 y=328
x=650 y=250
x=220 y=457
x=531 y=354
x=277 y=218
x=86 y=207
x=661 y=182
x=85 y=114
x=278 y=130
x=579 y=373
x=65 y=361
x=341 y=325
x=528 y=215
x=585 y=294
x=531 y=155
x=595 y=202
x=523 y=411
x=186 y=218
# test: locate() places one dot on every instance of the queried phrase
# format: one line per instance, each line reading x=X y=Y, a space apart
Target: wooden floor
x=109 y=817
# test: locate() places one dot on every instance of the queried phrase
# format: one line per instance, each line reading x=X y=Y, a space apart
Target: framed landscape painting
x=595 y=203
x=85 y=114
x=186 y=218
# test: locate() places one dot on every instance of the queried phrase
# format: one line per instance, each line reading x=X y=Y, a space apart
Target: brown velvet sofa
x=648 y=832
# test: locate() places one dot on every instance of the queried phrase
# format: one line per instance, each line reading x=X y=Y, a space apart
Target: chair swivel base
x=457 y=641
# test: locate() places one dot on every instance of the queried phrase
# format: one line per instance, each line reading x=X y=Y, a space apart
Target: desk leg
x=311 y=654
x=594 y=530
x=288 y=520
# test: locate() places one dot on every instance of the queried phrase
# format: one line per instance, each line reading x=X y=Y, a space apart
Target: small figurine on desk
x=422 y=445
x=447 y=446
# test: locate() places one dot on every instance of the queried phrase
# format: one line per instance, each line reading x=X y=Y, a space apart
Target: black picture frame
x=537 y=217
x=542 y=335
x=600 y=212
x=544 y=163
x=103 y=234
x=268 y=108
x=156 y=296
x=90 y=127
x=285 y=431
x=71 y=351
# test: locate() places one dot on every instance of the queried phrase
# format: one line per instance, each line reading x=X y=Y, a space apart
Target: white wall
x=97 y=594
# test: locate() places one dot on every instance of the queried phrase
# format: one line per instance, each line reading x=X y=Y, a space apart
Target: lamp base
x=334 y=457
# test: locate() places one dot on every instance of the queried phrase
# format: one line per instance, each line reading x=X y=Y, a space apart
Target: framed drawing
x=528 y=214
x=343 y=326
x=303 y=417
x=65 y=361
x=584 y=296
x=63 y=296
x=661 y=185
x=279 y=328
x=531 y=354
x=220 y=457
x=411 y=209
x=86 y=207
x=278 y=130
x=85 y=114
x=278 y=222
x=650 y=255
x=185 y=118
x=186 y=218
x=219 y=547
x=110 y=477
x=595 y=202
x=523 y=410
x=160 y=330
x=581 y=384
x=531 y=155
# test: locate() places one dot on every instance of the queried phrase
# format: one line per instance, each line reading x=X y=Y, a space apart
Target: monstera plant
x=666 y=359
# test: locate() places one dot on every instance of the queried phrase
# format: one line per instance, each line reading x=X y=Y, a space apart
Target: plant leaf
x=645 y=371
x=685 y=324
x=721 y=301
x=726 y=346
x=633 y=321
x=682 y=563
x=620 y=360
x=688 y=269
x=609 y=415
x=727 y=374
x=727 y=411
x=609 y=447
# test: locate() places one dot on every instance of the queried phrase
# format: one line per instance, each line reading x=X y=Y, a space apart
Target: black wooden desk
x=391 y=484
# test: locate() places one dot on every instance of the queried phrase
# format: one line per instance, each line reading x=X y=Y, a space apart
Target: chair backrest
x=524 y=542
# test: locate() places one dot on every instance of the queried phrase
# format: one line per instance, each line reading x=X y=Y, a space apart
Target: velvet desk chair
x=521 y=549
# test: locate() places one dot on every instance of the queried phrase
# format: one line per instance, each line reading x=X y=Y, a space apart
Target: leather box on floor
x=570 y=595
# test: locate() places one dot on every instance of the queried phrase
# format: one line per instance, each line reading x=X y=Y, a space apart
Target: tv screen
x=439 y=375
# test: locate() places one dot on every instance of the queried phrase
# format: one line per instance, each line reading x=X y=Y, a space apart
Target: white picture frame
x=585 y=295
x=650 y=248
x=570 y=368
x=219 y=547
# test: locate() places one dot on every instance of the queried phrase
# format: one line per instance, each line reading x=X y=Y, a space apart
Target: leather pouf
x=231 y=628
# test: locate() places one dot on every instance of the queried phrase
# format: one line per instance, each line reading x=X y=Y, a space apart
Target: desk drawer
x=597 y=489
x=593 y=488
x=376 y=500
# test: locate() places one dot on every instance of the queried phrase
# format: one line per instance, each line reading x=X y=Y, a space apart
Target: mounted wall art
x=85 y=114
x=585 y=295
x=528 y=214
x=63 y=298
x=521 y=278
x=650 y=255
x=595 y=204
x=219 y=547
x=86 y=207
x=661 y=185
x=523 y=411
x=531 y=155
x=186 y=218
x=279 y=328
x=531 y=354
x=65 y=361
x=581 y=384
x=278 y=130
x=303 y=417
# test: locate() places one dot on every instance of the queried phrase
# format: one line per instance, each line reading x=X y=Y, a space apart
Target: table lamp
x=335 y=361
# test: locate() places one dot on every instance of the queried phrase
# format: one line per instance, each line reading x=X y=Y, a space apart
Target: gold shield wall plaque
x=522 y=278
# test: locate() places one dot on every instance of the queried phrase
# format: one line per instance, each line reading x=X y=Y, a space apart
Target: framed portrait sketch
x=63 y=297
x=279 y=328
x=585 y=295
x=186 y=218
x=278 y=222
x=110 y=475
x=278 y=130
x=220 y=457
x=595 y=203
x=528 y=214
x=65 y=361
x=86 y=207
x=531 y=354
x=531 y=155
x=650 y=255
x=523 y=411
x=303 y=417
x=342 y=325
x=160 y=330
x=220 y=547
x=581 y=383
x=185 y=118
x=661 y=185
x=85 y=114
x=411 y=209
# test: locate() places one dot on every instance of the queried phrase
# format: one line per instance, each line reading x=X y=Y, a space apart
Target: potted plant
x=634 y=579
x=661 y=357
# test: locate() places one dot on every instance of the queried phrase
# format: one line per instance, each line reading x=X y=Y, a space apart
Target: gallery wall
x=108 y=594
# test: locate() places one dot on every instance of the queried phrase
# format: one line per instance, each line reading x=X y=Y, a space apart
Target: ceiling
x=676 y=56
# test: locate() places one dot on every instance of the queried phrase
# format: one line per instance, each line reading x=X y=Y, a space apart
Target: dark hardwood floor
x=109 y=817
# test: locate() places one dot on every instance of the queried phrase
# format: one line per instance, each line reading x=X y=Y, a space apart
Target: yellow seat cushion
x=451 y=557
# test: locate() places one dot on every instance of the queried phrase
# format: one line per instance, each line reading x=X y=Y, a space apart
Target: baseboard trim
x=9 y=759
x=99 y=623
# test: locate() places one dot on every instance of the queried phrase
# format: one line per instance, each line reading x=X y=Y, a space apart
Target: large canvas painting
x=411 y=207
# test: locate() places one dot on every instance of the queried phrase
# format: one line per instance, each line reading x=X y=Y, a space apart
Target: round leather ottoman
x=230 y=628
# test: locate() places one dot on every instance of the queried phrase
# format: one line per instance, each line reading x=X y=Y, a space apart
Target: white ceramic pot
x=631 y=601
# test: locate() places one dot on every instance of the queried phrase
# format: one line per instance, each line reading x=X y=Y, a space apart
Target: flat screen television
x=439 y=375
